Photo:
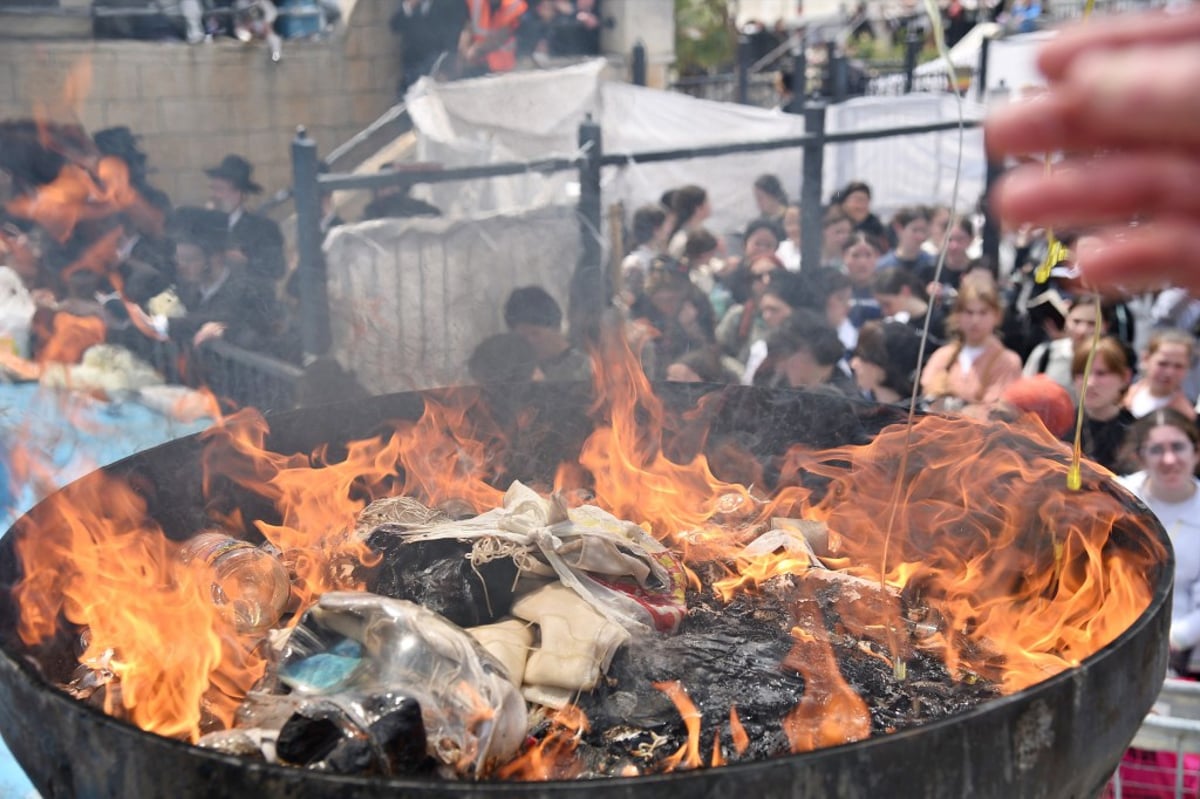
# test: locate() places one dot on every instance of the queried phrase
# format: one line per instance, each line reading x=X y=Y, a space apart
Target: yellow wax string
x=1074 y=474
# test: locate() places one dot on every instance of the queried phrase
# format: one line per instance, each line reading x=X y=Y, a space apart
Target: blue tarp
x=70 y=434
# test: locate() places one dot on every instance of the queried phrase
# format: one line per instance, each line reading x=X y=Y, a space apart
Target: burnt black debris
x=441 y=576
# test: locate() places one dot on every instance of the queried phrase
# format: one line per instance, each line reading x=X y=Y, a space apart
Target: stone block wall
x=194 y=104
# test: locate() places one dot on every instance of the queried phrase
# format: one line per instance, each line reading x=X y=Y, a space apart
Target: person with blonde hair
x=971 y=373
x=1167 y=359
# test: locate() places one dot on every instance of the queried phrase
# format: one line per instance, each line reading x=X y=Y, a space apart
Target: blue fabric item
x=70 y=435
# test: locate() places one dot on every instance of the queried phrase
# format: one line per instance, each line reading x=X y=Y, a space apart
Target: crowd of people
x=92 y=253
x=1002 y=344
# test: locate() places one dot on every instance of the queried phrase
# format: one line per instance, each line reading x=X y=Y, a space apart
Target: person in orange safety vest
x=489 y=43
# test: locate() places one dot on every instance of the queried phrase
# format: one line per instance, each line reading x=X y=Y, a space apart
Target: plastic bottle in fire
x=247 y=581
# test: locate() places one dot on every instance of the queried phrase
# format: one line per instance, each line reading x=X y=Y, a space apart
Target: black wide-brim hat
x=236 y=170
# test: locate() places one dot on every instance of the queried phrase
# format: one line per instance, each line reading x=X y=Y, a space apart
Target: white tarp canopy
x=529 y=115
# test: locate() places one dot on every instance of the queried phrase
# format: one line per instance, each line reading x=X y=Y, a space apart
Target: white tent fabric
x=531 y=115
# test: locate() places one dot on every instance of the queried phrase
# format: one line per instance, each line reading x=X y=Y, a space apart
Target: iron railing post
x=637 y=63
x=810 y=187
x=314 y=301
x=990 y=236
x=982 y=70
x=841 y=75
x=912 y=49
x=799 y=73
x=589 y=289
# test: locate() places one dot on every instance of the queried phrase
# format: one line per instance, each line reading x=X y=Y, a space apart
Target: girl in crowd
x=959 y=236
x=770 y=197
x=804 y=352
x=1054 y=358
x=1105 y=421
x=691 y=208
x=742 y=324
x=836 y=230
x=859 y=256
x=781 y=295
x=971 y=373
x=855 y=201
x=828 y=292
x=651 y=228
x=671 y=318
x=1167 y=359
x=1166 y=440
x=910 y=227
x=885 y=361
x=939 y=222
x=901 y=297
x=789 y=248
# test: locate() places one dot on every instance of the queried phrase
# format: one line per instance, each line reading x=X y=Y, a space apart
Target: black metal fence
x=589 y=282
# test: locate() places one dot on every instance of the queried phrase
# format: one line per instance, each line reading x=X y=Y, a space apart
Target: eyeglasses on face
x=1176 y=448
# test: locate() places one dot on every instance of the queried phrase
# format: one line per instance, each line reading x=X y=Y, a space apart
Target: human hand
x=207 y=332
x=1122 y=105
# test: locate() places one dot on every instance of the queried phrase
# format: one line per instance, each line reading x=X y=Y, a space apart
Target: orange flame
x=688 y=755
x=1017 y=579
x=741 y=741
x=97 y=561
x=552 y=758
x=830 y=712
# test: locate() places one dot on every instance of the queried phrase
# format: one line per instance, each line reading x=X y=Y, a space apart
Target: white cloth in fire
x=615 y=566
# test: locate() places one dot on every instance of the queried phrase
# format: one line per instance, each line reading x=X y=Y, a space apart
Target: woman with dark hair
x=1166 y=441
x=901 y=297
x=960 y=233
x=1105 y=421
x=804 y=352
x=742 y=324
x=910 y=227
x=855 y=200
x=650 y=232
x=859 y=256
x=691 y=208
x=885 y=361
x=836 y=232
x=770 y=197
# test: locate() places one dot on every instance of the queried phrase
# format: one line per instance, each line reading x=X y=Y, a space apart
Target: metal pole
x=982 y=70
x=810 y=187
x=589 y=290
x=799 y=74
x=841 y=77
x=637 y=63
x=743 y=68
x=314 y=301
x=912 y=49
x=991 y=224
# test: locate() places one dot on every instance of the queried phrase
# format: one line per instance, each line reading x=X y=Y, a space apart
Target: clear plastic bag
x=352 y=646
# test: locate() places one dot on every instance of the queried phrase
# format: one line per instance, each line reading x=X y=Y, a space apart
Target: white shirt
x=1182 y=523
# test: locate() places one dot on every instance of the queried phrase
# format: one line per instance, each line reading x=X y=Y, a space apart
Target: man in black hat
x=221 y=301
x=255 y=241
